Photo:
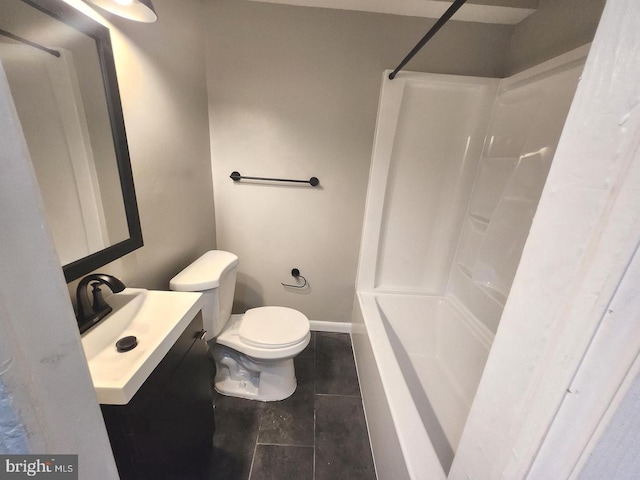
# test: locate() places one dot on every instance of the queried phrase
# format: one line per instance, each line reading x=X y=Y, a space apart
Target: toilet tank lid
x=205 y=272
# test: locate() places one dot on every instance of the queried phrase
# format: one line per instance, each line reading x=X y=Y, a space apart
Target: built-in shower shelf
x=479 y=218
x=464 y=269
x=487 y=289
x=496 y=295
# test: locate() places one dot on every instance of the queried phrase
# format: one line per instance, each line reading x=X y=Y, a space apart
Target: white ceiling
x=509 y=12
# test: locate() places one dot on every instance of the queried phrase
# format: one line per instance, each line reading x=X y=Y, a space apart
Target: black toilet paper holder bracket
x=295 y=273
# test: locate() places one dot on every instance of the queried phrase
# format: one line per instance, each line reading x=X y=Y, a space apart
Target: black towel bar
x=313 y=181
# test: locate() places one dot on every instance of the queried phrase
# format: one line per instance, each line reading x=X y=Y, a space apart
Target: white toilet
x=254 y=351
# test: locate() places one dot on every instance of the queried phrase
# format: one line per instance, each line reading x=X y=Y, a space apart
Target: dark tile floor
x=319 y=433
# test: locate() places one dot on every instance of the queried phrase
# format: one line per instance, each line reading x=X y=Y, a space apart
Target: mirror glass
x=61 y=73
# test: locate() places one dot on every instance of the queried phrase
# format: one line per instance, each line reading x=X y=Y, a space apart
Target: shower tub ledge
x=417 y=388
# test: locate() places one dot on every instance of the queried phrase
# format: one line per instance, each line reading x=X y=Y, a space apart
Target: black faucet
x=91 y=313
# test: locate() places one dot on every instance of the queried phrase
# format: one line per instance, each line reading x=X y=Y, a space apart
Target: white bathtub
x=458 y=165
x=419 y=359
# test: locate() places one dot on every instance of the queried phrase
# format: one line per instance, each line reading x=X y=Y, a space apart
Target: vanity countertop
x=156 y=318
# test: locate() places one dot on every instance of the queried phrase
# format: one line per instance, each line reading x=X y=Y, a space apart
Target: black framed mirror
x=62 y=76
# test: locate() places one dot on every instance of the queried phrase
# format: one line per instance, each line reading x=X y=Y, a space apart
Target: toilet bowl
x=254 y=351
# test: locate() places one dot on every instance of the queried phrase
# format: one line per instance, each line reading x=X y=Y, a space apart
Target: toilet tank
x=214 y=275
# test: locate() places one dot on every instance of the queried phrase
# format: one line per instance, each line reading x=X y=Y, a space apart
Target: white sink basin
x=156 y=319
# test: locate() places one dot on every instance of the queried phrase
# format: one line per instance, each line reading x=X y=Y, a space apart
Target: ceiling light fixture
x=137 y=10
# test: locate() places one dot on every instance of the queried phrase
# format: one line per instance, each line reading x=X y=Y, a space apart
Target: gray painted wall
x=557 y=27
x=293 y=92
x=161 y=75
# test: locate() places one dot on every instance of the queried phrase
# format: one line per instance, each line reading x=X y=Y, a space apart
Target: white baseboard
x=335 y=327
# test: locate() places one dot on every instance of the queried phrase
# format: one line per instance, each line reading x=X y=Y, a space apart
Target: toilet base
x=238 y=375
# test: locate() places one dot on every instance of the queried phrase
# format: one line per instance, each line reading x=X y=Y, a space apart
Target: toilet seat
x=284 y=347
x=273 y=327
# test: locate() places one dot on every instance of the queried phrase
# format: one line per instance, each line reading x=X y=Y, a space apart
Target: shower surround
x=458 y=167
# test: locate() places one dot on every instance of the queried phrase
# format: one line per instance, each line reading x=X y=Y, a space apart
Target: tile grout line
x=336 y=395
x=253 y=458
x=255 y=447
x=284 y=445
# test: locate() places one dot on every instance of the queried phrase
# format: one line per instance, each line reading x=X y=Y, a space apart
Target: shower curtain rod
x=51 y=51
x=441 y=21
